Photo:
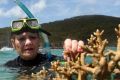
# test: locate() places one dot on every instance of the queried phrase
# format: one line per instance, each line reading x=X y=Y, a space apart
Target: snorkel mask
x=27 y=24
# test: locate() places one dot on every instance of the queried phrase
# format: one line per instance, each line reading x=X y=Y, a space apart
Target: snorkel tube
x=46 y=48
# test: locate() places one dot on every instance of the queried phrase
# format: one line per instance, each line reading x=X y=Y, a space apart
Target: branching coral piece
x=114 y=60
x=99 y=67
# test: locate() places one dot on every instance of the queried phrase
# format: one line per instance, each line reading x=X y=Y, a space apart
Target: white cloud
x=17 y=12
x=59 y=9
x=38 y=6
x=3 y=1
x=87 y=1
x=117 y=3
x=1 y=11
x=13 y=12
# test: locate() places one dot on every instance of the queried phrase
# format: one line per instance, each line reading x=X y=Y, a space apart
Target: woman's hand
x=71 y=48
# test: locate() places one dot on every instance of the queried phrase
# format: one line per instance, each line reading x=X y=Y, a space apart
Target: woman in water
x=25 y=39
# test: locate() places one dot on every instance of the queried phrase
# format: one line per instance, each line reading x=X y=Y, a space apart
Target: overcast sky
x=52 y=10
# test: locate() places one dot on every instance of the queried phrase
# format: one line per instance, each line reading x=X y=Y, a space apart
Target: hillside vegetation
x=80 y=27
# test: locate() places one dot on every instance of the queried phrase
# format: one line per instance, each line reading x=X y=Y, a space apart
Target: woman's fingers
x=67 y=45
x=71 y=48
x=74 y=46
x=80 y=45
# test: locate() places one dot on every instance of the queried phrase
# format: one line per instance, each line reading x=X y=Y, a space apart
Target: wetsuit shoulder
x=12 y=63
x=39 y=60
x=19 y=62
x=33 y=66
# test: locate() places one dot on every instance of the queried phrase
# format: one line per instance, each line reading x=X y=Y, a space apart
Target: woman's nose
x=28 y=42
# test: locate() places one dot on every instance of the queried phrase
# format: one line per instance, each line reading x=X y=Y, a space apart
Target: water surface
x=8 y=74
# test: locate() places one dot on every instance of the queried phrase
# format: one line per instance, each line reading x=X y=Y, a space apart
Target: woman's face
x=26 y=44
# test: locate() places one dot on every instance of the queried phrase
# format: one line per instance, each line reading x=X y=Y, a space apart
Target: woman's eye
x=21 y=39
x=32 y=37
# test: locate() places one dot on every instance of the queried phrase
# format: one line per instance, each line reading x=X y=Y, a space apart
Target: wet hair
x=24 y=29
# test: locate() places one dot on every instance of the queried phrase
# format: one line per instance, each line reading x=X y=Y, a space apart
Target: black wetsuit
x=31 y=66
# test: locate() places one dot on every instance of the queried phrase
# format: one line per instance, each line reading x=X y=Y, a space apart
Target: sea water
x=8 y=74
